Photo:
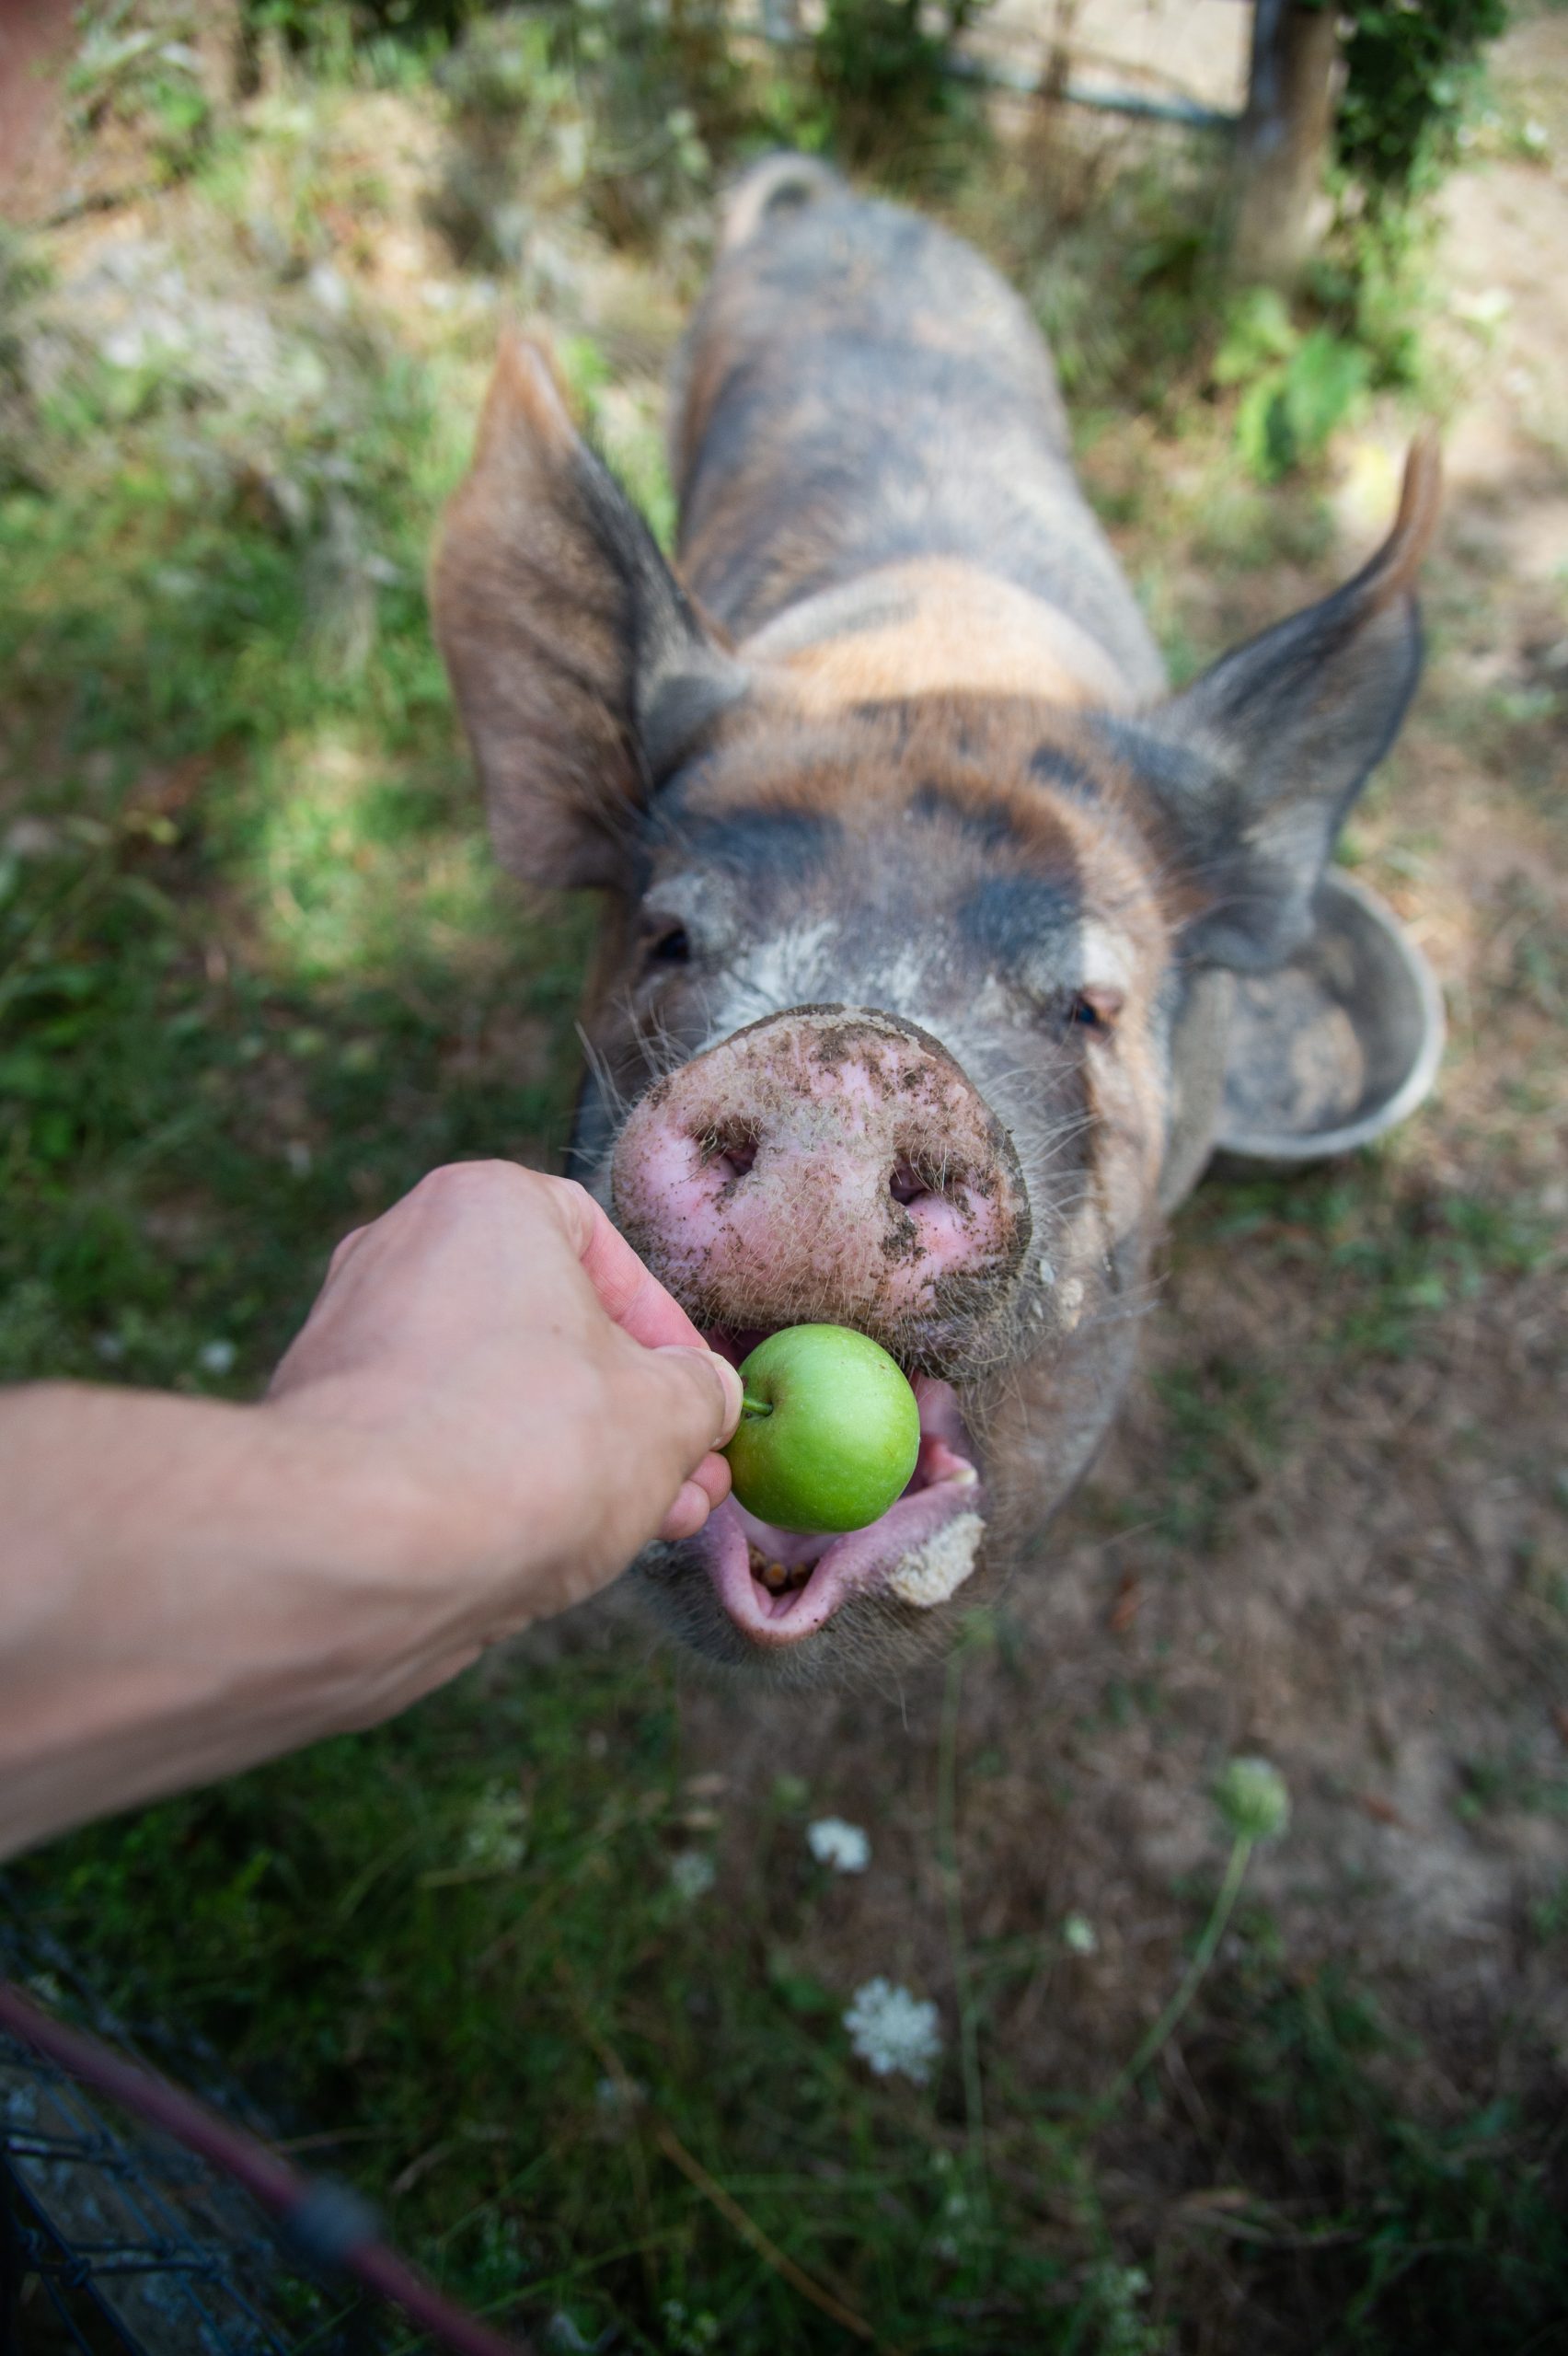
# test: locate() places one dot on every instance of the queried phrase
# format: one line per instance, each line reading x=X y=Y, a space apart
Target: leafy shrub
x=881 y=69
x=1408 y=71
x=1298 y=386
x=136 y=64
x=505 y=96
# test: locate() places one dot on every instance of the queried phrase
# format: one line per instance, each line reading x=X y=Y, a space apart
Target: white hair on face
x=792 y=968
x=1107 y=957
x=805 y=966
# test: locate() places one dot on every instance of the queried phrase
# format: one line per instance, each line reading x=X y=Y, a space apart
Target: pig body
x=922 y=893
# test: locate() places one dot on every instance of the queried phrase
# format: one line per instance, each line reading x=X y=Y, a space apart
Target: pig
x=923 y=893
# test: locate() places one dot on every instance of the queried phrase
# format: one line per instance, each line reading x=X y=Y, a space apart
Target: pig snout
x=827 y=1162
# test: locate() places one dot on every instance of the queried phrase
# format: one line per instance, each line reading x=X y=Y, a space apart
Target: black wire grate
x=117 y=2242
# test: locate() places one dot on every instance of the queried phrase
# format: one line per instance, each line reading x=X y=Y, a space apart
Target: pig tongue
x=921 y=1549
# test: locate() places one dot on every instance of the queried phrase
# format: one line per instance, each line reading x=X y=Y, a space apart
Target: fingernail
x=728 y=1375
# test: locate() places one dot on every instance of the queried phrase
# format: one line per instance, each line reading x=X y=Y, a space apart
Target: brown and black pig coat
x=922 y=890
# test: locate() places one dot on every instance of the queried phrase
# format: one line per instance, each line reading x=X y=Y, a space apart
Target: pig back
x=859 y=389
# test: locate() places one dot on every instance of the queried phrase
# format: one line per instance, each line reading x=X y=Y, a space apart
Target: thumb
x=701 y=1395
x=679 y=1402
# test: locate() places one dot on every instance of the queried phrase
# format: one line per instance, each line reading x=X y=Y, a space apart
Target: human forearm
x=491 y=1408
x=188 y=1587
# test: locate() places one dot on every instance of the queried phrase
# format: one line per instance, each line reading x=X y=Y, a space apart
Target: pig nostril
x=730 y=1152
x=909 y=1181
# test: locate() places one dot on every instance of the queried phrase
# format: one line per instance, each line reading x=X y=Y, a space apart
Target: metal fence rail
x=114 y=2240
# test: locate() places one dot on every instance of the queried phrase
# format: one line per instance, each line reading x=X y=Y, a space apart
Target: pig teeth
x=777 y=1577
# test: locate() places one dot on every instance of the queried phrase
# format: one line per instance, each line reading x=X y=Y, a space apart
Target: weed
x=1253 y=1805
x=137 y=67
x=1297 y=389
x=1408 y=73
x=1393 y=2233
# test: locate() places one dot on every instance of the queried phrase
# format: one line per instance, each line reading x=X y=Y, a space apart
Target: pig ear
x=582 y=670
x=1256 y=765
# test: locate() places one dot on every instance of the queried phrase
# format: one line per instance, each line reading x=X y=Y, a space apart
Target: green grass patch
x=1383 y=2227
x=1388 y=1253
x=257 y=970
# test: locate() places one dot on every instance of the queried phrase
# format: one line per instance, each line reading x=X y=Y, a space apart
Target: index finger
x=631 y=1294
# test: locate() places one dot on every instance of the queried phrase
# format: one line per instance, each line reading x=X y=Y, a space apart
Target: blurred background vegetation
x=258 y=973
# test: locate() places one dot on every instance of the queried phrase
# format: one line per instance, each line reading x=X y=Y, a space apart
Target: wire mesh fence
x=118 y=2242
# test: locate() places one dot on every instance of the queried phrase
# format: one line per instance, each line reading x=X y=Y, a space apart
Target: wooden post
x=1282 y=142
x=1058 y=57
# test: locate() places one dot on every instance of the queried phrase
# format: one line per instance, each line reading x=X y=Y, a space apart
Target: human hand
x=500 y=1344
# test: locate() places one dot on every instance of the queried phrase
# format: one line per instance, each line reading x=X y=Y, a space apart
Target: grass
x=575 y=2007
x=1385 y=2232
x=1392 y=1254
x=460 y=1944
x=257 y=970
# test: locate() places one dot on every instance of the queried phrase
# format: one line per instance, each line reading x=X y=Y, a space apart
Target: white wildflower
x=615 y=2097
x=693 y=1872
x=1079 y=1935
x=216 y=1357
x=495 y=1839
x=562 y=2332
x=689 y=2334
x=890 y=2029
x=842 y=1846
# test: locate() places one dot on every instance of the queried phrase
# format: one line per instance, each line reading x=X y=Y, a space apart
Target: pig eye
x=670 y=947
x=1095 y=1010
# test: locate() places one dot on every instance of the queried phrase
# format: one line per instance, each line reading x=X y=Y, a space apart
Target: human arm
x=490 y=1409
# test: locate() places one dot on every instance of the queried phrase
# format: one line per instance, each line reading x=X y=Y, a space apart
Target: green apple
x=829 y=1433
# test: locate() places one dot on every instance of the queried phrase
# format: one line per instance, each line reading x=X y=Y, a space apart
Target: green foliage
x=467 y=1934
x=664 y=91
x=1222 y=1433
x=136 y=66
x=1409 y=71
x=514 y=121
x=1295 y=387
x=324 y=28
x=881 y=69
x=255 y=966
x=1424 y=2232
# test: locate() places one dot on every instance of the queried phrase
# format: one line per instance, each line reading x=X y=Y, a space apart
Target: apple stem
x=751 y=1405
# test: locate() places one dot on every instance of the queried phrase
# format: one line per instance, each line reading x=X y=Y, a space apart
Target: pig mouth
x=779 y=1587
